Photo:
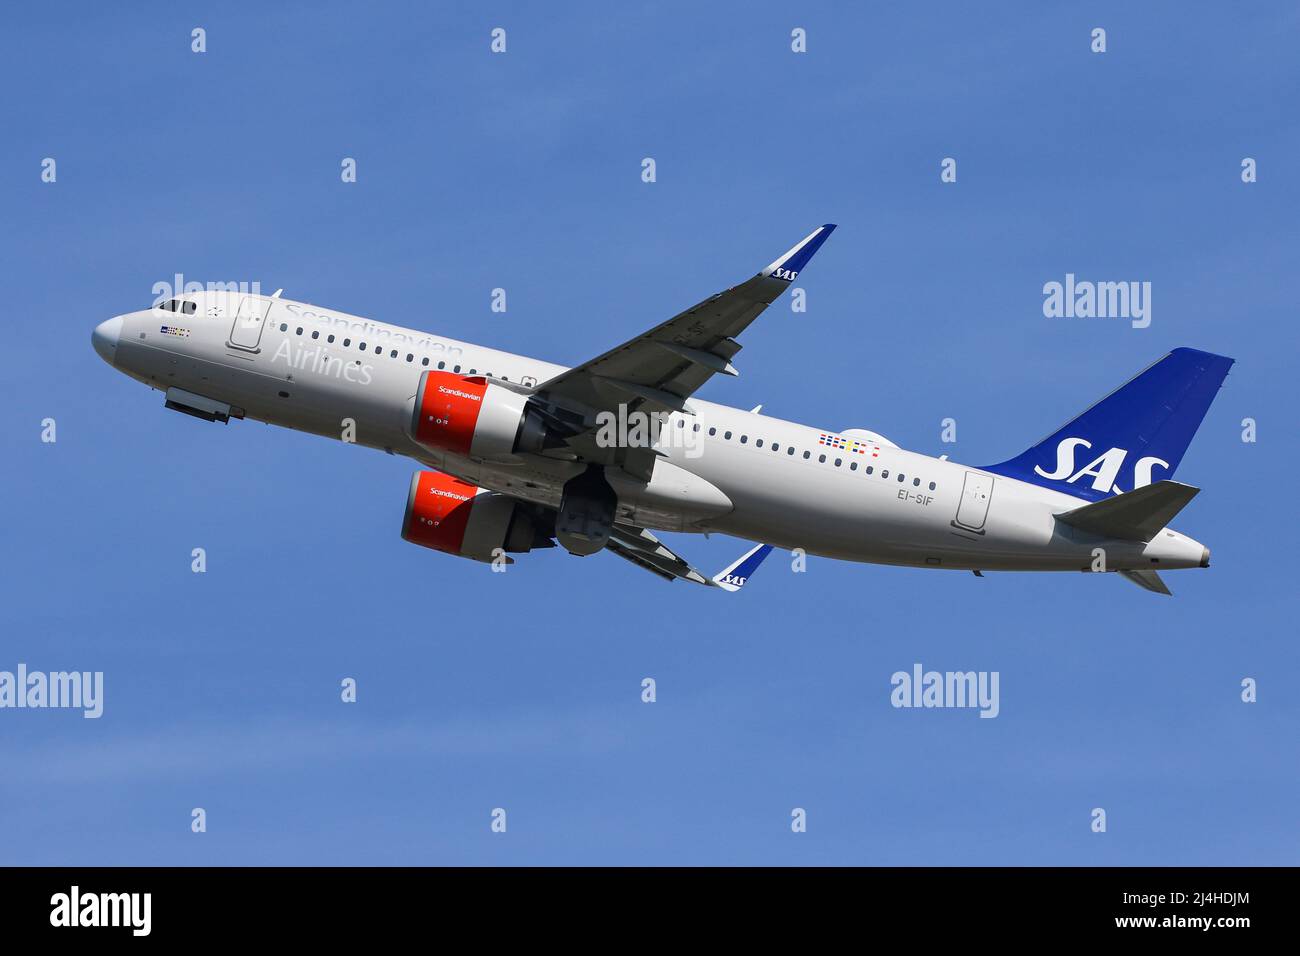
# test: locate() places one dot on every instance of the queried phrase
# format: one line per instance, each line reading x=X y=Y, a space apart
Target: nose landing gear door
x=973 y=510
x=246 y=332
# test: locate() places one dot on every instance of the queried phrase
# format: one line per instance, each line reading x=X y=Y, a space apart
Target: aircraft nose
x=1205 y=557
x=105 y=337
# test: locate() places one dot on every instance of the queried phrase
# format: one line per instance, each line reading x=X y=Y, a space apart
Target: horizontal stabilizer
x=1135 y=516
x=1148 y=580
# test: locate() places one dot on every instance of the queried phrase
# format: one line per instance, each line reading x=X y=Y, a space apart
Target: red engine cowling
x=467 y=415
x=453 y=516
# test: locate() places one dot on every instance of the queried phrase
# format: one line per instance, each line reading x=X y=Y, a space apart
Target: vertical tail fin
x=1135 y=435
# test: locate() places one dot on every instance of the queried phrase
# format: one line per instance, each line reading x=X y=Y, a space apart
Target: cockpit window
x=179 y=305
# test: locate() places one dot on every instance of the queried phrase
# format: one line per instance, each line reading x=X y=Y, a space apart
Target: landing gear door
x=973 y=510
x=246 y=333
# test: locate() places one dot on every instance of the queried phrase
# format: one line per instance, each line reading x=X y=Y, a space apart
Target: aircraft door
x=974 y=507
x=246 y=333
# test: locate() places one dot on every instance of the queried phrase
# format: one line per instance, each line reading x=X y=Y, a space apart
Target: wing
x=646 y=551
x=659 y=370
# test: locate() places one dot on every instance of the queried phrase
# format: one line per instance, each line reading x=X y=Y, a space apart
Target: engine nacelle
x=467 y=415
x=453 y=516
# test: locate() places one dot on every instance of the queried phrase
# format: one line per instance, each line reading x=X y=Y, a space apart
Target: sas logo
x=176 y=331
x=1103 y=469
x=787 y=274
x=733 y=579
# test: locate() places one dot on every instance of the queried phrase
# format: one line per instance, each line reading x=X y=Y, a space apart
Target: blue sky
x=522 y=171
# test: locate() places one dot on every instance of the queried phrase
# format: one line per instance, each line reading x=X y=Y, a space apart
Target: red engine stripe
x=449 y=410
x=439 y=512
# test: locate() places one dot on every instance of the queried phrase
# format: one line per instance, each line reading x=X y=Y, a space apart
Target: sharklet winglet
x=734 y=576
x=788 y=267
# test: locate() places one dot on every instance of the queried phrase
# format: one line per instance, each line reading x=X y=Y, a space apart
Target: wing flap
x=639 y=559
x=645 y=550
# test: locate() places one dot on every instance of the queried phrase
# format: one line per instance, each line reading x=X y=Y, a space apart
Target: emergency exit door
x=973 y=510
x=246 y=333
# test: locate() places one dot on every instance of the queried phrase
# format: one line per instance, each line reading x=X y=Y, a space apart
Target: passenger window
x=807 y=455
x=393 y=354
x=916 y=482
x=712 y=432
x=758 y=443
x=442 y=365
x=410 y=357
x=932 y=486
x=362 y=346
x=744 y=439
x=299 y=332
x=838 y=462
x=425 y=360
x=775 y=447
x=696 y=427
x=853 y=466
x=284 y=327
x=347 y=342
x=900 y=477
x=456 y=369
x=869 y=469
x=315 y=335
x=330 y=338
x=379 y=350
x=790 y=450
x=727 y=435
x=821 y=459
x=884 y=473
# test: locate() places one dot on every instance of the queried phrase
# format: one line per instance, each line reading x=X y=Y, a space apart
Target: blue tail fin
x=1135 y=435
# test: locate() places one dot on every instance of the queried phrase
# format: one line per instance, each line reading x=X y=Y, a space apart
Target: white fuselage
x=723 y=469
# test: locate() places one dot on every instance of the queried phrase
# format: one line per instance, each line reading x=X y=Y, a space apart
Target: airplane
x=518 y=454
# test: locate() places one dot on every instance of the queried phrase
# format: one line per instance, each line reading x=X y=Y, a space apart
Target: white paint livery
x=849 y=495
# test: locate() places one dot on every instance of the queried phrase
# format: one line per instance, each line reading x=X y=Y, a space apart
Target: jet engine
x=453 y=516
x=468 y=415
